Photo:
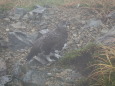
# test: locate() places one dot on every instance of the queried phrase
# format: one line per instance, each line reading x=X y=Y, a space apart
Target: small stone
x=103 y=31
x=44 y=31
x=73 y=28
x=7 y=19
x=49 y=74
x=7 y=30
x=18 y=25
x=33 y=30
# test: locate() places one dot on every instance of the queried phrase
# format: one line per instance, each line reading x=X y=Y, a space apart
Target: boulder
x=35 y=78
x=5 y=79
x=108 y=38
x=19 y=40
x=17 y=13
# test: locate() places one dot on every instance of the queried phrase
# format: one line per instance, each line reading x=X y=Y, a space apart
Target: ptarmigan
x=51 y=41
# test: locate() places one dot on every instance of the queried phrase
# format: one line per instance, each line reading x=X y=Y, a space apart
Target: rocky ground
x=18 y=25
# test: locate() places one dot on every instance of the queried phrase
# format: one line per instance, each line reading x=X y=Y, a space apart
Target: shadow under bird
x=51 y=41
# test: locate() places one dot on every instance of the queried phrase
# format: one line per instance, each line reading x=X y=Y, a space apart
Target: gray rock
x=67 y=77
x=17 y=13
x=108 y=38
x=3 y=67
x=3 y=43
x=19 y=70
x=5 y=79
x=3 y=14
x=35 y=78
x=37 y=13
x=19 y=40
x=111 y=15
x=104 y=31
x=44 y=31
x=38 y=9
x=93 y=23
x=18 y=25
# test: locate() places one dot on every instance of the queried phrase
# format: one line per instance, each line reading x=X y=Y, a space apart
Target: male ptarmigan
x=51 y=41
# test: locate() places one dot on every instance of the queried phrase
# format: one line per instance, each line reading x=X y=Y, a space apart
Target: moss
x=80 y=58
x=76 y=55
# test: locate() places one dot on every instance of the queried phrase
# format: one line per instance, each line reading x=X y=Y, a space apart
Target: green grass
x=104 y=72
x=28 y=4
x=80 y=58
x=83 y=53
x=96 y=62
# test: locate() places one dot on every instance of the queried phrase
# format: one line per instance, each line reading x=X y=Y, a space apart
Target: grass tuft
x=104 y=72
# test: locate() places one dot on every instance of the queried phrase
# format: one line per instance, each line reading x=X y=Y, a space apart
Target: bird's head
x=63 y=26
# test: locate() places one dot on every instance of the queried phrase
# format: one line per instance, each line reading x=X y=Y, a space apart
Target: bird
x=50 y=42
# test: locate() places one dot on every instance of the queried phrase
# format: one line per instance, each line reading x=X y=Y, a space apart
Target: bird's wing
x=50 y=41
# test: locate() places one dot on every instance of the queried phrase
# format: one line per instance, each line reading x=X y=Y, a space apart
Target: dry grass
x=6 y=4
x=104 y=3
x=104 y=72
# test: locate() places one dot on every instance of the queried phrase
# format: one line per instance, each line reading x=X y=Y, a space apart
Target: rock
x=93 y=23
x=18 y=25
x=19 y=40
x=3 y=43
x=3 y=67
x=7 y=20
x=5 y=79
x=108 y=38
x=35 y=78
x=67 y=77
x=111 y=15
x=17 y=13
x=2 y=14
x=104 y=31
x=19 y=70
x=37 y=13
x=44 y=31
x=7 y=29
x=38 y=9
x=25 y=17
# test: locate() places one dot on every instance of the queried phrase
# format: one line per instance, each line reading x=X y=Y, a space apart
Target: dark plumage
x=51 y=41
